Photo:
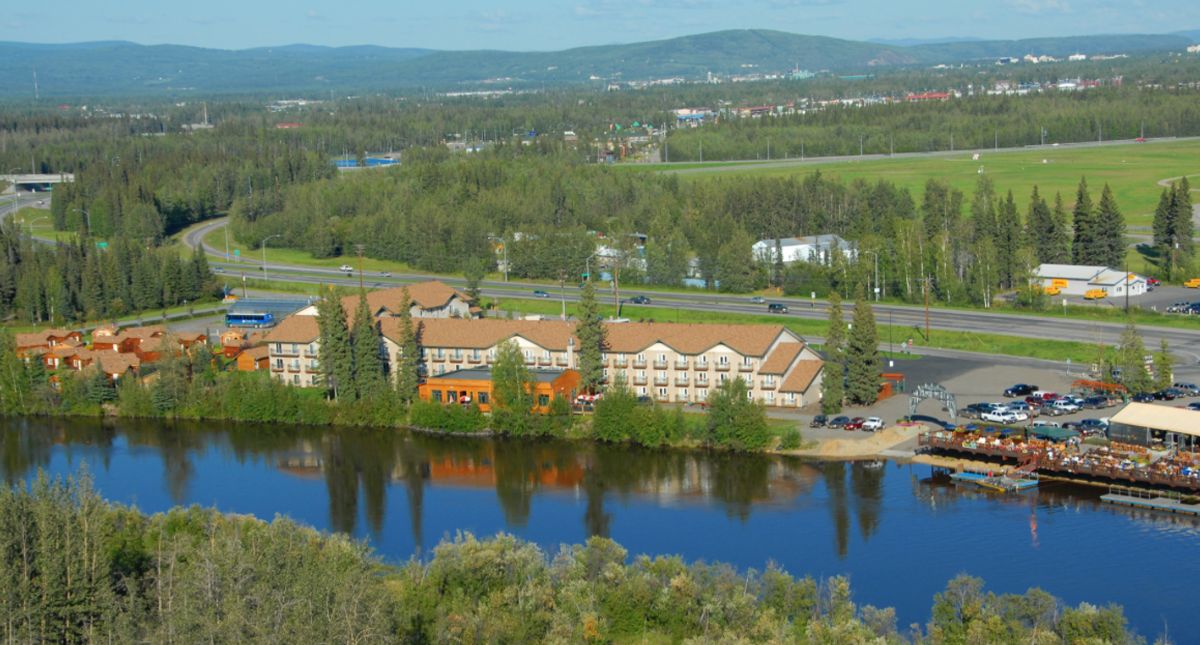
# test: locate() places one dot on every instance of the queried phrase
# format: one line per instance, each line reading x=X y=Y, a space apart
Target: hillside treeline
x=77 y=281
x=444 y=213
x=970 y=123
x=77 y=569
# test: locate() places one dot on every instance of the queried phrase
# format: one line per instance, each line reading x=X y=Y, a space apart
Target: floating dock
x=1000 y=483
x=1164 y=504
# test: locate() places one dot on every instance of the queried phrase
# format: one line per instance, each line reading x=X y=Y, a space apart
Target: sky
x=560 y=24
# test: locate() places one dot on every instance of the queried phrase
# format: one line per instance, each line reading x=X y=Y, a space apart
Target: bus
x=249 y=319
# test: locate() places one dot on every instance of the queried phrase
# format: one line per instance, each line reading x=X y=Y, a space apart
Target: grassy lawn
x=1131 y=170
x=252 y=257
x=1058 y=350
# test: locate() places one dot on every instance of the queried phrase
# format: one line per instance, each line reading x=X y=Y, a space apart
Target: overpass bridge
x=35 y=182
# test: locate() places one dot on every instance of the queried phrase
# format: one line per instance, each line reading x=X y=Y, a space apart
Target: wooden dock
x=1000 y=483
x=1155 y=503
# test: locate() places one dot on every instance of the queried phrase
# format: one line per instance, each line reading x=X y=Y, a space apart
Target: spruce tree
x=408 y=359
x=1038 y=225
x=1008 y=243
x=590 y=332
x=1084 y=244
x=366 y=342
x=1162 y=220
x=1131 y=358
x=1181 y=224
x=1164 y=367
x=336 y=356
x=983 y=209
x=1109 y=231
x=862 y=356
x=473 y=271
x=833 y=388
x=1058 y=239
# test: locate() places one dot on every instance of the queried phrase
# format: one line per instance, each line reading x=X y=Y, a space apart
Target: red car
x=1154 y=282
x=855 y=424
x=1035 y=401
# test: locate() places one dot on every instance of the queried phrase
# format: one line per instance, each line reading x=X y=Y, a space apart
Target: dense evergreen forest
x=77 y=281
x=77 y=569
x=979 y=122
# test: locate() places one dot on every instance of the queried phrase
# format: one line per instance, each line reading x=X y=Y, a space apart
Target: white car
x=1065 y=406
x=873 y=424
x=999 y=416
x=1044 y=424
x=347 y=268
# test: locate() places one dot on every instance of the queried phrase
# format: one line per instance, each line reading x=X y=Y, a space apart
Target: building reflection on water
x=360 y=468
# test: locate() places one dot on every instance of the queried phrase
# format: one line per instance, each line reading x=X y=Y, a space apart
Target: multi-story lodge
x=430 y=299
x=668 y=362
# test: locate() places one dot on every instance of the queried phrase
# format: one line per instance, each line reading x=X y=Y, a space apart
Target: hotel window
x=436 y=395
x=641 y=357
x=768 y=381
x=483 y=398
x=750 y=395
x=279 y=363
x=723 y=359
x=543 y=400
x=475 y=354
x=312 y=365
x=457 y=354
x=701 y=395
x=791 y=397
x=662 y=392
x=278 y=348
x=702 y=377
x=770 y=397
x=312 y=348
x=441 y=369
x=722 y=378
x=702 y=360
x=682 y=394
x=440 y=354
x=528 y=356
x=295 y=349
x=641 y=391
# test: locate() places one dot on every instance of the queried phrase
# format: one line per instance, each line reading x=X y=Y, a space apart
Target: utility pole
x=891 y=144
x=996 y=140
x=358 y=248
x=860 y=145
x=926 y=309
x=768 y=148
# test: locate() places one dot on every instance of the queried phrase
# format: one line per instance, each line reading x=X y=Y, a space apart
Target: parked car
x=758 y=300
x=1189 y=389
x=1042 y=423
x=1143 y=397
x=538 y=293
x=1065 y=406
x=1167 y=394
x=1194 y=405
x=347 y=268
x=1035 y=401
x=838 y=422
x=1096 y=402
x=1021 y=407
x=1045 y=395
x=1021 y=415
x=819 y=421
x=1194 y=283
x=976 y=410
x=1152 y=282
x=854 y=424
x=998 y=416
x=1095 y=294
x=385 y=274
x=777 y=308
x=640 y=300
x=873 y=424
x=1019 y=390
x=1090 y=427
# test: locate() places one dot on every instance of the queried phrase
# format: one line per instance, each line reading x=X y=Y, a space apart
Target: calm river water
x=898 y=534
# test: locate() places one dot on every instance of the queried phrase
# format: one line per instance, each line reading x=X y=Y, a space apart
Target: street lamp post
x=31 y=223
x=877 y=289
x=264 y=253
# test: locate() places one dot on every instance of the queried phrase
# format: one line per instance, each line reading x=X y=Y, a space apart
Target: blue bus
x=249 y=319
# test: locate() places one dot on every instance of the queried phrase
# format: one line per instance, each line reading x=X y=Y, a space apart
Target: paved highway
x=1185 y=342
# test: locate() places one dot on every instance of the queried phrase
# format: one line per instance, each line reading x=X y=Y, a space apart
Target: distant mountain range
x=128 y=69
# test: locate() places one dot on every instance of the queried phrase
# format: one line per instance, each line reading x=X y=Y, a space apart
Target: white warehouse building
x=810 y=248
x=1076 y=280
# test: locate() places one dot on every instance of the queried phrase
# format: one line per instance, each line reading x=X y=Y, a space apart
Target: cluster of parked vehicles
x=1185 y=307
x=869 y=424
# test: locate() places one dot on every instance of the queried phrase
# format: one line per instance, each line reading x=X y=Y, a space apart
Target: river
x=899 y=534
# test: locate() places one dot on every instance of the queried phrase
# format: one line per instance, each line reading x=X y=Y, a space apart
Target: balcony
x=639 y=363
x=276 y=368
x=660 y=365
x=293 y=368
x=475 y=359
x=661 y=380
x=768 y=385
x=701 y=383
x=701 y=366
x=681 y=380
x=284 y=351
x=662 y=397
x=308 y=354
x=620 y=362
x=544 y=361
x=745 y=367
x=456 y=359
x=681 y=364
x=560 y=361
x=639 y=380
x=722 y=367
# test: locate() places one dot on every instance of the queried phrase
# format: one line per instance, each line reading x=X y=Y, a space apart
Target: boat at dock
x=1005 y=482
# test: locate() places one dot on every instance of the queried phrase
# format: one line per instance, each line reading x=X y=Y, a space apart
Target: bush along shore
x=78 y=569
x=195 y=386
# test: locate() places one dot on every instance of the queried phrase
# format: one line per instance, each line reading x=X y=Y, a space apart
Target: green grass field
x=1132 y=170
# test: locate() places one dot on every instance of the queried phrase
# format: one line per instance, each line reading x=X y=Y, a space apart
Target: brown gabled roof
x=623 y=338
x=150 y=331
x=295 y=329
x=802 y=376
x=431 y=294
x=482 y=334
x=257 y=353
x=41 y=337
x=113 y=363
x=781 y=358
x=692 y=338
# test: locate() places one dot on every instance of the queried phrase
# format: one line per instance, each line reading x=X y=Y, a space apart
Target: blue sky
x=559 y=24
